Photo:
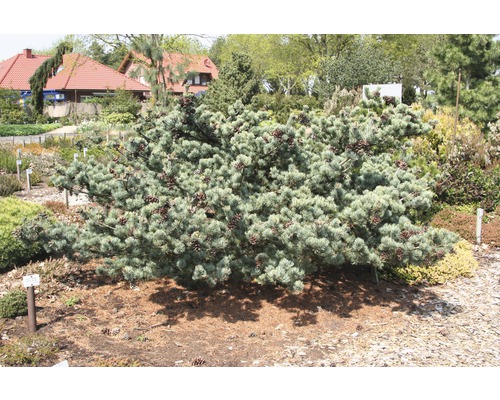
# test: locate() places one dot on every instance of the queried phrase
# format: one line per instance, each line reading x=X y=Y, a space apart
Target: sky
x=12 y=44
x=32 y=24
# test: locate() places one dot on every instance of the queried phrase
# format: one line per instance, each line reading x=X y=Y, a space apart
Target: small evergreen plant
x=13 y=304
x=201 y=197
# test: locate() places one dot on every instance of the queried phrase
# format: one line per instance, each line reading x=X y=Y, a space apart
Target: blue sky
x=12 y=44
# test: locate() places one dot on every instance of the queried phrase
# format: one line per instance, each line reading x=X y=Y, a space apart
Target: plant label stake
x=29 y=171
x=479 y=219
x=75 y=156
x=29 y=282
x=66 y=197
x=18 y=165
x=84 y=152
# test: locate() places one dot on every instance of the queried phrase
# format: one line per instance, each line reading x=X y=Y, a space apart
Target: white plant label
x=29 y=171
x=19 y=162
x=31 y=280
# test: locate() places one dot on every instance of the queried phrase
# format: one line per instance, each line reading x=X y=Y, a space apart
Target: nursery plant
x=203 y=198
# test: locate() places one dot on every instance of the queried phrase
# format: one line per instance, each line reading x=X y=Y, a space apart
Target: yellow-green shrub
x=12 y=213
x=459 y=262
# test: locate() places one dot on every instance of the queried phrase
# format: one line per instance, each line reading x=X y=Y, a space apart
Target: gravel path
x=456 y=324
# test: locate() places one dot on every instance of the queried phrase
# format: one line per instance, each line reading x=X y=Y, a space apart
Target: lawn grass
x=26 y=129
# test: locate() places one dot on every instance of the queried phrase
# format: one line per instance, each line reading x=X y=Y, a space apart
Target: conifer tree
x=201 y=197
x=237 y=82
x=44 y=72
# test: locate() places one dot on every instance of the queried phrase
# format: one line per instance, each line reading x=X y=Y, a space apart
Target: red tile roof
x=184 y=62
x=77 y=72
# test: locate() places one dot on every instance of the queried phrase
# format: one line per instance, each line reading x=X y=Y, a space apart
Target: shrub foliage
x=13 y=304
x=459 y=262
x=14 y=213
x=201 y=197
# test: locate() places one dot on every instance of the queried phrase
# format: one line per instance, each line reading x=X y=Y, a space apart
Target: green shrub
x=8 y=185
x=280 y=106
x=13 y=304
x=8 y=161
x=119 y=118
x=466 y=183
x=13 y=212
x=203 y=198
x=459 y=262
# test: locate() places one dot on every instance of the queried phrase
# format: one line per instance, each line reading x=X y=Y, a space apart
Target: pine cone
x=234 y=222
x=277 y=134
x=122 y=220
x=239 y=166
x=150 y=199
x=375 y=220
x=171 y=182
x=253 y=239
x=360 y=147
x=401 y=164
x=163 y=210
x=196 y=245
x=198 y=361
x=407 y=234
x=334 y=150
x=390 y=100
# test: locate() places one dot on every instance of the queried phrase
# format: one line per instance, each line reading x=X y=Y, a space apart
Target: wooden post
x=479 y=220
x=29 y=282
x=18 y=165
x=28 y=178
x=458 y=99
x=31 y=310
x=66 y=197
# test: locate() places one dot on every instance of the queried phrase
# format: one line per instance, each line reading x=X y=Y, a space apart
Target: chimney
x=27 y=53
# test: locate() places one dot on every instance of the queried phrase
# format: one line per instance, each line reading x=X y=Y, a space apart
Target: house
x=78 y=78
x=187 y=72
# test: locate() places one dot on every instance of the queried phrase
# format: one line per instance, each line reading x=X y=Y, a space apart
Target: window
x=200 y=79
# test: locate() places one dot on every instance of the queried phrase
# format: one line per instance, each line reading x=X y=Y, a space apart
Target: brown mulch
x=341 y=319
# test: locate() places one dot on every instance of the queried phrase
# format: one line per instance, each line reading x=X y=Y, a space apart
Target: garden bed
x=341 y=319
x=26 y=130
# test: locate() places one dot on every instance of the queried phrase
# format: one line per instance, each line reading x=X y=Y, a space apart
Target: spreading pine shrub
x=197 y=196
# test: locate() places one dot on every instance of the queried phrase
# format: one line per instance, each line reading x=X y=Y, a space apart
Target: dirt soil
x=342 y=318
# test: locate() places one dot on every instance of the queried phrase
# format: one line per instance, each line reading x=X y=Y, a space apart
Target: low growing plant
x=13 y=304
x=459 y=262
x=9 y=185
x=31 y=350
x=14 y=213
